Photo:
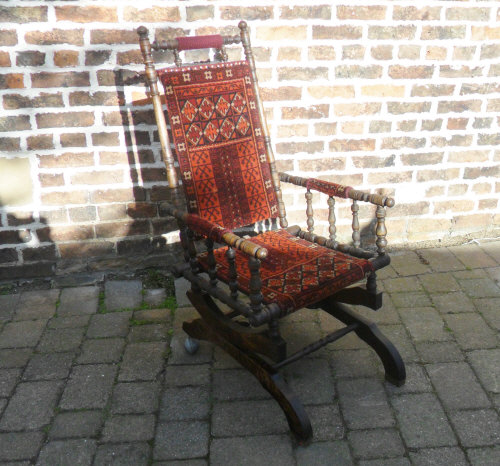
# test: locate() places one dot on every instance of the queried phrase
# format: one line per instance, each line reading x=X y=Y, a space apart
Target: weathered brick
x=152 y=15
x=306 y=12
x=468 y=156
x=21 y=14
x=30 y=58
x=382 y=52
x=291 y=148
x=142 y=210
x=106 y=196
x=86 y=14
x=97 y=177
x=62 y=198
x=446 y=71
x=378 y=126
x=281 y=32
x=482 y=188
x=15 y=123
x=485 y=33
x=468 y=14
x=463 y=53
x=411 y=72
x=391 y=32
x=105 y=139
x=489 y=51
x=66 y=58
x=436 y=53
x=321 y=52
x=322 y=164
x=96 y=57
x=287 y=131
x=337 y=32
x=434 y=90
x=121 y=229
x=361 y=12
x=313 y=112
x=68 y=159
x=60 y=79
x=409 y=52
x=407 y=125
x=412 y=13
x=443 y=32
x=429 y=158
x=10 y=144
x=457 y=123
x=353 y=52
x=477 y=88
x=401 y=142
x=369 y=161
x=321 y=92
x=473 y=173
x=349 y=145
x=64 y=120
x=325 y=129
x=358 y=71
x=72 y=140
x=250 y=13
x=352 y=127
x=443 y=174
x=55 y=36
x=113 y=36
x=15 y=101
x=11 y=81
x=40 y=141
x=80 y=250
x=382 y=90
x=399 y=108
x=48 y=180
x=129 y=57
x=488 y=139
x=199 y=12
x=353 y=109
x=8 y=37
x=459 y=106
x=454 y=140
x=391 y=177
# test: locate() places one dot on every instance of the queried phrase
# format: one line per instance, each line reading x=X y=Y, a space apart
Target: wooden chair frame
x=263 y=351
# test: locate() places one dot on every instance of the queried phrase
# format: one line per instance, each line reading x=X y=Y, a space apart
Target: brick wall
x=384 y=96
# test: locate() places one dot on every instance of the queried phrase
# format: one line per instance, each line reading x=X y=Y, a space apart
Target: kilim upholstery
x=220 y=141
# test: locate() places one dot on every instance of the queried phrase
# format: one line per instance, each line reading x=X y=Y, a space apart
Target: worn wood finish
x=213 y=328
x=212 y=272
x=356 y=237
x=233 y=275
x=255 y=284
x=309 y=212
x=381 y=231
x=332 y=229
x=152 y=82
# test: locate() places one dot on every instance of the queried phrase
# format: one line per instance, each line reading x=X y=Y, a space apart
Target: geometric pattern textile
x=219 y=144
x=295 y=273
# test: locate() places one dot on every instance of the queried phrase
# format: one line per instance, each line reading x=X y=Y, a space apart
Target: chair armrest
x=337 y=190
x=217 y=233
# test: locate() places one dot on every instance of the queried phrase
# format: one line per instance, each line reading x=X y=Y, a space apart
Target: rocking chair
x=228 y=172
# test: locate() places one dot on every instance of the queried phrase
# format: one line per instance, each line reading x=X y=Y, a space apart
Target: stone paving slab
x=94 y=374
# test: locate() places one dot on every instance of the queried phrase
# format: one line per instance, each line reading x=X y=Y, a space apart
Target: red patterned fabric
x=218 y=139
x=205 y=227
x=295 y=273
x=332 y=189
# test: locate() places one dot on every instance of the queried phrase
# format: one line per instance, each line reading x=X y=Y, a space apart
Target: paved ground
x=98 y=375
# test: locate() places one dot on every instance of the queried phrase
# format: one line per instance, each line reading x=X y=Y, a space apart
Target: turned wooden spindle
x=355 y=224
x=212 y=270
x=309 y=212
x=233 y=275
x=381 y=231
x=193 y=262
x=331 y=218
x=255 y=285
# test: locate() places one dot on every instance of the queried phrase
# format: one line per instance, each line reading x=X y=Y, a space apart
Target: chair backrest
x=219 y=137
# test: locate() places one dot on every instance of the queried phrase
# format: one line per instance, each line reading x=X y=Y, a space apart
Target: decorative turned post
x=152 y=82
x=355 y=224
x=255 y=285
x=309 y=212
x=381 y=231
x=245 y=40
x=233 y=276
x=212 y=270
x=331 y=218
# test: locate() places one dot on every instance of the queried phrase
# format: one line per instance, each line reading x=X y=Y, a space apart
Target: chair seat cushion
x=296 y=272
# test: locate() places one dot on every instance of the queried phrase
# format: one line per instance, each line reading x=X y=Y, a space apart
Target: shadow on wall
x=30 y=252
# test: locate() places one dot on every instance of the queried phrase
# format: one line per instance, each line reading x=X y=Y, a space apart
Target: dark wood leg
x=214 y=328
x=368 y=331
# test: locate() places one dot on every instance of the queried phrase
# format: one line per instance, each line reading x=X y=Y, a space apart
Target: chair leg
x=213 y=328
x=368 y=331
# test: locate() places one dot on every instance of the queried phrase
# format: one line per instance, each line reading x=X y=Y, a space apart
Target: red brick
x=86 y=14
x=40 y=141
x=10 y=144
x=14 y=123
x=11 y=81
x=105 y=139
x=64 y=120
x=55 y=36
x=4 y=59
x=129 y=57
x=72 y=140
x=21 y=14
x=63 y=198
x=45 y=99
x=48 y=180
x=121 y=229
x=8 y=37
x=113 y=36
x=65 y=58
x=68 y=159
x=142 y=210
x=61 y=79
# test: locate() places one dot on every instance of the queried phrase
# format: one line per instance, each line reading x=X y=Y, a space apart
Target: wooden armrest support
x=217 y=233
x=337 y=190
